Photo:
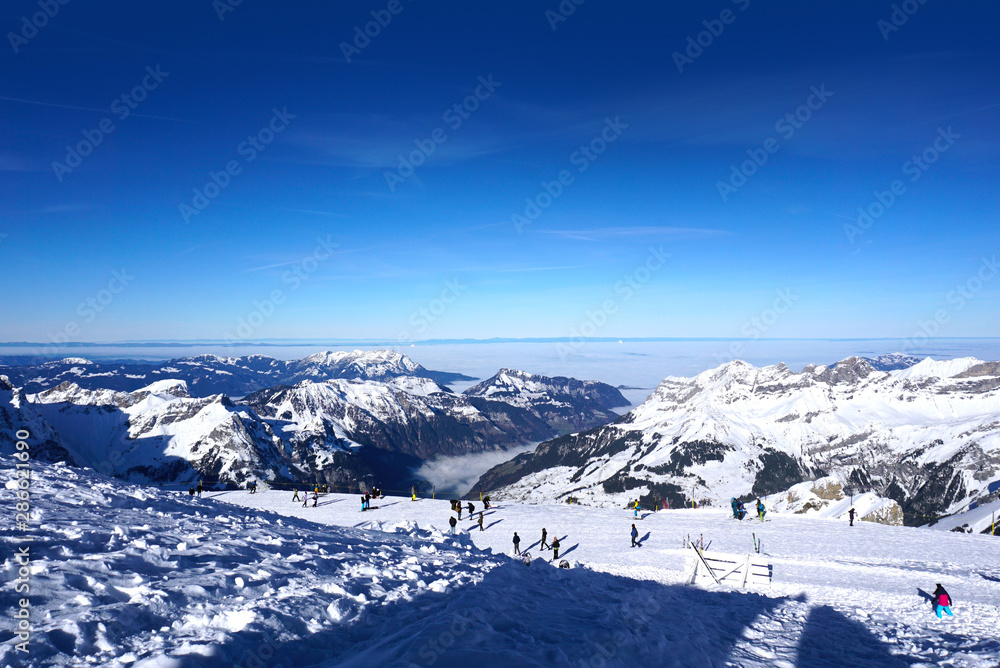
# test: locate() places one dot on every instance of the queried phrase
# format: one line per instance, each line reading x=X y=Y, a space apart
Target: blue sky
x=311 y=239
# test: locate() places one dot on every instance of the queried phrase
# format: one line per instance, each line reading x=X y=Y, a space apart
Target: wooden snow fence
x=735 y=570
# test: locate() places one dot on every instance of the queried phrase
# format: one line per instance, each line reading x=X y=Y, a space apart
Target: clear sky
x=319 y=231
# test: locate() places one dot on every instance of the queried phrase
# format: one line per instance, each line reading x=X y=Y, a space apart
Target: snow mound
x=825 y=498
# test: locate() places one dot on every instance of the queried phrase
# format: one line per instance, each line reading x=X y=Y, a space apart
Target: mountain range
x=377 y=427
x=926 y=435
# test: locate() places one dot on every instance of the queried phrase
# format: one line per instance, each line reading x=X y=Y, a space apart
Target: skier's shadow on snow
x=831 y=639
x=644 y=538
x=570 y=549
x=493 y=524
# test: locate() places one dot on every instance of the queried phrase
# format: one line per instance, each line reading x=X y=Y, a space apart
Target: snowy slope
x=161 y=433
x=130 y=576
x=927 y=436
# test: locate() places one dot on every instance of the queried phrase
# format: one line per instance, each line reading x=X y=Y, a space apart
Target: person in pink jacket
x=942 y=601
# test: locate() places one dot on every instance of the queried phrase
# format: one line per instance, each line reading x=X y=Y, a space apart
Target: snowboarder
x=295 y=497
x=555 y=548
x=850 y=516
x=942 y=601
x=201 y=488
x=635 y=536
x=481 y=522
x=517 y=543
x=191 y=492
x=486 y=502
x=761 y=511
x=545 y=545
x=452 y=522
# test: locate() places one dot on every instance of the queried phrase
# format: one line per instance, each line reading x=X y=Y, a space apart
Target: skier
x=452 y=522
x=545 y=545
x=555 y=548
x=458 y=507
x=315 y=499
x=481 y=522
x=736 y=508
x=636 y=512
x=413 y=493
x=517 y=543
x=472 y=509
x=295 y=497
x=760 y=509
x=191 y=491
x=362 y=503
x=942 y=601
x=486 y=501
x=850 y=516
x=201 y=488
x=741 y=510
x=635 y=536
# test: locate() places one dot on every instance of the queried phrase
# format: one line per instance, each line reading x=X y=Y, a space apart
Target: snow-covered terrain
x=132 y=576
x=927 y=436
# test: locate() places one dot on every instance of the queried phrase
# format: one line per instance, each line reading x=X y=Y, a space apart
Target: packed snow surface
x=123 y=575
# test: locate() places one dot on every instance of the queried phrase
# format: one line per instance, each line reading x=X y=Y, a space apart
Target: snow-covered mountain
x=891 y=361
x=926 y=436
x=566 y=404
x=160 y=433
x=206 y=375
x=337 y=431
x=18 y=414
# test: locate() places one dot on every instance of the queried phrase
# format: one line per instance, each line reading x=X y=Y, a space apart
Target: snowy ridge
x=123 y=575
x=927 y=436
x=206 y=375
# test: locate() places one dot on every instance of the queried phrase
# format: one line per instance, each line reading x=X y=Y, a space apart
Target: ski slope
x=123 y=575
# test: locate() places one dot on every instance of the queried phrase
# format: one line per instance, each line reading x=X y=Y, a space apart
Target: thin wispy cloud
x=605 y=233
x=94 y=109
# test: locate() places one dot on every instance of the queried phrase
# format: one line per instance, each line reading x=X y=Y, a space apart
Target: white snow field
x=125 y=575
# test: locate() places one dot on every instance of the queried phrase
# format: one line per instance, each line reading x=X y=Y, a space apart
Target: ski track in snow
x=124 y=575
